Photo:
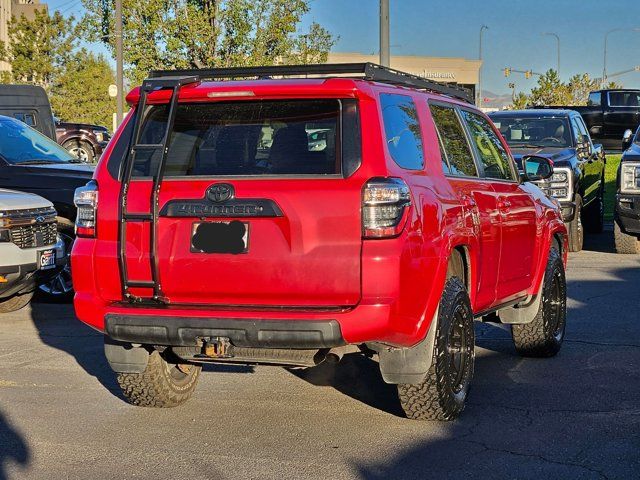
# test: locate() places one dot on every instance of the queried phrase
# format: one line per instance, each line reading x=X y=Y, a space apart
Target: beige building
x=449 y=70
x=15 y=8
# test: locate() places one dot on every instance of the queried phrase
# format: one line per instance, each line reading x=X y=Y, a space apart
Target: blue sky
x=451 y=27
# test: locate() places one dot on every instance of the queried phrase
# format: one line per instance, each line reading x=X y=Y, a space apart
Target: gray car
x=30 y=248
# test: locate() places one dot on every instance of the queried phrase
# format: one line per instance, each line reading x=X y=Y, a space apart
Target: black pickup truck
x=578 y=179
x=608 y=114
x=626 y=228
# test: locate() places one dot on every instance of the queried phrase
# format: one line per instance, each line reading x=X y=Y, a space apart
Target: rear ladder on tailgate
x=125 y=216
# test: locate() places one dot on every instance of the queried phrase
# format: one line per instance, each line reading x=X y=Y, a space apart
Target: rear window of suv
x=249 y=138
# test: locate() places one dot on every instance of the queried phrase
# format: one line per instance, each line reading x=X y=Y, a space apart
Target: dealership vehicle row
x=378 y=214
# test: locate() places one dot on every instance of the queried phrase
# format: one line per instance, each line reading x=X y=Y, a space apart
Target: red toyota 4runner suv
x=218 y=228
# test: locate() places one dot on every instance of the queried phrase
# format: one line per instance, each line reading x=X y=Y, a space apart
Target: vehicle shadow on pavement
x=357 y=377
x=59 y=328
x=571 y=416
x=599 y=242
x=13 y=448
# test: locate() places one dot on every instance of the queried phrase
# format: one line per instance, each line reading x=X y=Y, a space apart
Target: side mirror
x=627 y=138
x=536 y=168
x=595 y=131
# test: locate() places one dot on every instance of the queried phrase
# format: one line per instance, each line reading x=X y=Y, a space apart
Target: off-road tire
x=161 y=385
x=626 y=244
x=594 y=214
x=436 y=398
x=15 y=302
x=544 y=335
x=576 y=229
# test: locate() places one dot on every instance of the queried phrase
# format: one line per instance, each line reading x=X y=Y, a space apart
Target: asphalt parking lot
x=576 y=416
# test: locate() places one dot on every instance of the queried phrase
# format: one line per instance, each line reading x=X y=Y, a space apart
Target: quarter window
x=454 y=142
x=492 y=154
x=402 y=130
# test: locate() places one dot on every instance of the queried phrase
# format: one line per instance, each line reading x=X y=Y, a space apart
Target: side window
x=594 y=99
x=446 y=168
x=454 y=141
x=494 y=157
x=402 y=130
x=579 y=130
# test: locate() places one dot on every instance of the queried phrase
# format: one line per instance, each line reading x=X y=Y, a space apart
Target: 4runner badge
x=220 y=192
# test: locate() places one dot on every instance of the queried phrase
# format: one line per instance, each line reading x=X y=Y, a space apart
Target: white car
x=30 y=249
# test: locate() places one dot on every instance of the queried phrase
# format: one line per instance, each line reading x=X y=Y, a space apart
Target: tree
x=520 y=101
x=38 y=48
x=550 y=91
x=80 y=91
x=207 y=33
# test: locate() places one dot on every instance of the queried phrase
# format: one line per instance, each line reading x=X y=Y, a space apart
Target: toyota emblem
x=220 y=192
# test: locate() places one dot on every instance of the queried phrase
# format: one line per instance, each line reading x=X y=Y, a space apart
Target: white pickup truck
x=30 y=250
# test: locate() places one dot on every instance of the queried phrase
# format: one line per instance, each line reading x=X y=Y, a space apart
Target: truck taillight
x=86 y=201
x=385 y=204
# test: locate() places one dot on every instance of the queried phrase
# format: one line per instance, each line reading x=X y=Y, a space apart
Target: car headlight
x=560 y=185
x=100 y=135
x=630 y=177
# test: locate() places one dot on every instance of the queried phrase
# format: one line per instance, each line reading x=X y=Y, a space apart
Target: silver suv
x=30 y=250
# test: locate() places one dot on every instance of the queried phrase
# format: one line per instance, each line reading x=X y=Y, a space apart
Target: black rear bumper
x=627 y=213
x=242 y=332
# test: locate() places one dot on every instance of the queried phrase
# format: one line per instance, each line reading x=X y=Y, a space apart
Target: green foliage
x=552 y=91
x=163 y=34
x=44 y=51
x=38 y=48
x=80 y=92
x=520 y=101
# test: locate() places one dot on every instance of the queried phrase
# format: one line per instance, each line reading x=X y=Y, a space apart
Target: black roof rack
x=366 y=71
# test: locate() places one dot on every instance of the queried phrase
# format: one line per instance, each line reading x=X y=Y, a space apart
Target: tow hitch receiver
x=216 y=347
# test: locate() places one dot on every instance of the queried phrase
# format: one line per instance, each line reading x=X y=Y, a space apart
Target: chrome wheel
x=81 y=153
x=60 y=286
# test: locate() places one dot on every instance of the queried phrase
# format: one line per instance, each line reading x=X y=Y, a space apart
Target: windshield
x=523 y=132
x=21 y=144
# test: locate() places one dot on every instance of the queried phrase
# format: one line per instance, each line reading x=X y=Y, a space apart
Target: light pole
x=385 y=54
x=606 y=40
x=119 y=75
x=558 y=40
x=479 y=101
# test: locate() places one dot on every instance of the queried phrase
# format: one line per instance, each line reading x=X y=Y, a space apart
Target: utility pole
x=479 y=99
x=606 y=40
x=385 y=50
x=119 y=73
x=558 y=40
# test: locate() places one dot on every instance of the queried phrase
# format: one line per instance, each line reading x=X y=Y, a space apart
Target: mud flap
x=522 y=314
x=407 y=365
x=124 y=357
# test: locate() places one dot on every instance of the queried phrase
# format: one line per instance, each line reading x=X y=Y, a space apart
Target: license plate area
x=47 y=259
x=220 y=237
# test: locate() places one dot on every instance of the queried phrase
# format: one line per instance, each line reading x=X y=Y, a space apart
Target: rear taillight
x=385 y=204
x=86 y=201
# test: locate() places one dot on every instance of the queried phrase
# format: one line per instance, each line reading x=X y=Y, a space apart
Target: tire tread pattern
x=431 y=399
x=535 y=339
x=154 y=387
x=625 y=244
